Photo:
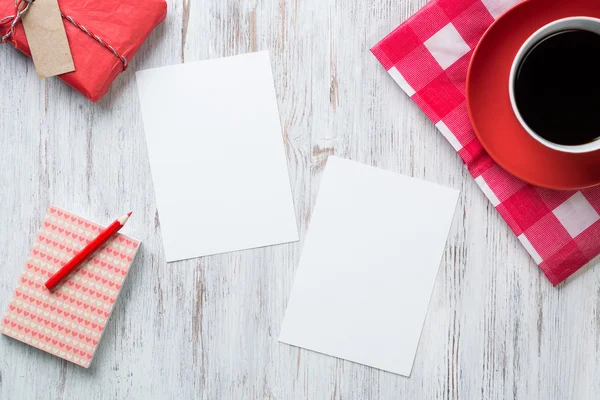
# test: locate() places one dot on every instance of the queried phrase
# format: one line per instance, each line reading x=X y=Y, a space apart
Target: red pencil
x=87 y=251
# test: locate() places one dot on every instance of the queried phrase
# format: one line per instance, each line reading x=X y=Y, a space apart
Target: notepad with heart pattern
x=68 y=322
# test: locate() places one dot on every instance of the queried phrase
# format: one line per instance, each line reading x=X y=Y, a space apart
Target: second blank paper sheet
x=368 y=265
x=217 y=156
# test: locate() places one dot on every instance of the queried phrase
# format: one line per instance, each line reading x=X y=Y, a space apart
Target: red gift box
x=121 y=24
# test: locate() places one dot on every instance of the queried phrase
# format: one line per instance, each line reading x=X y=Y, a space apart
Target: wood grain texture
x=207 y=328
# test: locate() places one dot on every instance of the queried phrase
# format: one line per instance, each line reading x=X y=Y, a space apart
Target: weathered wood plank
x=208 y=328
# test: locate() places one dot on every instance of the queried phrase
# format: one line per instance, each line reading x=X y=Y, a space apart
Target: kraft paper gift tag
x=47 y=39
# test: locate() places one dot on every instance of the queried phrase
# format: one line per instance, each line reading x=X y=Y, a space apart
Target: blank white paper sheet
x=368 y=266
x=217 y=156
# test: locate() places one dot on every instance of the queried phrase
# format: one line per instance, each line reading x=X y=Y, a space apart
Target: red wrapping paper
x=123 y=24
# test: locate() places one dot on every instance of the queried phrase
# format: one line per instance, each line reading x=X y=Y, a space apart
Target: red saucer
x=489 y=105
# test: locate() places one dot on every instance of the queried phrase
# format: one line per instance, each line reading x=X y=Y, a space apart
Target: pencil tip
x=129 y=213
x=124 y=218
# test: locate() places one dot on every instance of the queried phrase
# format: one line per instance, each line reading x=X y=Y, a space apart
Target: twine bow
x=14 y=19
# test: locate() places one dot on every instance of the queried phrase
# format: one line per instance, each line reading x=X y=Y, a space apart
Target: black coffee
x=557 y=87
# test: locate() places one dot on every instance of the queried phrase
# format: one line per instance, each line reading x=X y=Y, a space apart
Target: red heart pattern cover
x=68 y=322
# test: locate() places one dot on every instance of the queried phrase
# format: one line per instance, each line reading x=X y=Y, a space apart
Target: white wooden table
x=207 y=328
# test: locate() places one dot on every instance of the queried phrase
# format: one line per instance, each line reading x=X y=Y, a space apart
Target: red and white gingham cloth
x=428 y=56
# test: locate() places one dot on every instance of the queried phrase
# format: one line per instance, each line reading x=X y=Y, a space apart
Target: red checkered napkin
x=428 y=56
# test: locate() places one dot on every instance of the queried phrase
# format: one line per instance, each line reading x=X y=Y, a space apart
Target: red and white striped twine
x=13 y=19
x=97 y=38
